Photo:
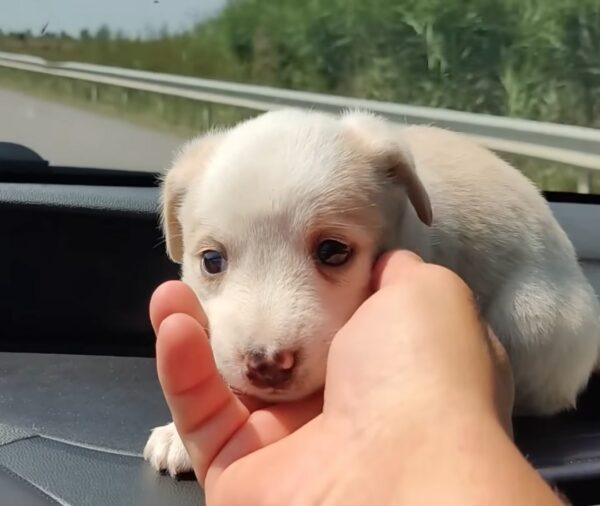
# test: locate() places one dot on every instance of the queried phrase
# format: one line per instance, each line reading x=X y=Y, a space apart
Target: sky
x=133 y=17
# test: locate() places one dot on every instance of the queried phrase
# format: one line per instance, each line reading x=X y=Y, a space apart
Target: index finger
x=393 y=266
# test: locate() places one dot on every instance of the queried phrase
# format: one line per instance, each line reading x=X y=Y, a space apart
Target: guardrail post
x=206 y=116
x=584 y=181
x=94 y=93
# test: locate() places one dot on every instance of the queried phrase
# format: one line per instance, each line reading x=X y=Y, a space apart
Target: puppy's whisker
x=357 y=208
x=175 y=235
x=346 y=210
x=347 y=226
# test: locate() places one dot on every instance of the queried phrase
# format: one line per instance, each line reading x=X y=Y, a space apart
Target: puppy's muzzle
x=273 y=371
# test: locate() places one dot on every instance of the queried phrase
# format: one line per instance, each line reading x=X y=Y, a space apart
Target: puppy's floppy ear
x=188 y=164
x=399 y=169
x=381 y=142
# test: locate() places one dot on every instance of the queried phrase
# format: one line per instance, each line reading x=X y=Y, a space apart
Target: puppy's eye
x=213 y=262
x=332 y=253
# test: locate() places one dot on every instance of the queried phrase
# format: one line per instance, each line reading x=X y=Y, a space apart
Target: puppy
x=277 y=223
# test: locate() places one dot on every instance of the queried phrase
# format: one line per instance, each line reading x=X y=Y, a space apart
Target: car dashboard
x=81 y=254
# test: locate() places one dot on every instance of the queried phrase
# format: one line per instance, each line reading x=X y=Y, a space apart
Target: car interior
x=81 y=253
x=96 y=98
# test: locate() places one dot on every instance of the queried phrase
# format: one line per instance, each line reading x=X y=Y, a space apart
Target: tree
x=103 y=33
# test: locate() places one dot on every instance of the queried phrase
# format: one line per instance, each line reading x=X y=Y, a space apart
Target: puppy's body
x=492 y=227
x=269 y=190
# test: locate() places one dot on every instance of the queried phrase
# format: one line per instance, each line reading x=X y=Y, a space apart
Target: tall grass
x=179 y=116
x=536 y=59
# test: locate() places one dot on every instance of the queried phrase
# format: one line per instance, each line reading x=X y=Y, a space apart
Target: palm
x=232 y=439
x=269 y=474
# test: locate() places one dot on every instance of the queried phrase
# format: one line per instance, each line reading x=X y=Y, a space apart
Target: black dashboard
x=80 y=257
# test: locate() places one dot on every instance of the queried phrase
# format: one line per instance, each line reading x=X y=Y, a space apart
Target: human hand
x=410 y=373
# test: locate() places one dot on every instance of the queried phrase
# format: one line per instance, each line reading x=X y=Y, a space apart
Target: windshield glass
x=121 y=85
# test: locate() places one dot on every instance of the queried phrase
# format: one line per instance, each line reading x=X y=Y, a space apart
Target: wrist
x=381 y=463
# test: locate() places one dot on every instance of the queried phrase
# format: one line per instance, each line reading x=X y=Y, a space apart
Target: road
x=66 y=135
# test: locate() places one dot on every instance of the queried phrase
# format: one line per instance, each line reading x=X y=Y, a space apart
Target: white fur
x=165 y=451
x=267 y=188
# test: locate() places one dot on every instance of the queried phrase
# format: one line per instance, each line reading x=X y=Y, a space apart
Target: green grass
x=177 y=116
x=186 y=118
x=534 y=59
x=552 y=176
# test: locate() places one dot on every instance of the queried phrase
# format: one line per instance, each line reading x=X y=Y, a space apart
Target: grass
x=534 y=59
x=186 y=118
x=177 y=116
x=552 y=176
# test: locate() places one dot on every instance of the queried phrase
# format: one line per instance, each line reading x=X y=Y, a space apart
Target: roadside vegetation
x=536 y=59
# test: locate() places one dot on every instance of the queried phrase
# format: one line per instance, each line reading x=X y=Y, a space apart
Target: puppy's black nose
x=270 y=371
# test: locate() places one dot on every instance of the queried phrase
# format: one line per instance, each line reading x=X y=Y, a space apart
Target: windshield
x=121 y=85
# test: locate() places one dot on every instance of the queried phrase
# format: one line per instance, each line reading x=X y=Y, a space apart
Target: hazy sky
x=131 y=16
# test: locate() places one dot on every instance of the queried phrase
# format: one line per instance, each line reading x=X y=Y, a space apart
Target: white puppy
x=277 y=223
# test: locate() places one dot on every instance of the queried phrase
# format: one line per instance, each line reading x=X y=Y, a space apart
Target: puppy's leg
x=165 y=451
x=549 y=323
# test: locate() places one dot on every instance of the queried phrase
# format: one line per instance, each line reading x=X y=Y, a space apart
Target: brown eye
x=332 y=253
x=213 y=262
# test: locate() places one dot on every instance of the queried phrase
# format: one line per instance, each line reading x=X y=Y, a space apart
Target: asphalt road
x=66 y=135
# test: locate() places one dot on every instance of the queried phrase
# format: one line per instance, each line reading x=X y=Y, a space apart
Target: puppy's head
x=277 y=223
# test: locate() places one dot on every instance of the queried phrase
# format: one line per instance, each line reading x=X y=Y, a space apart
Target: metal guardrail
x=571 y=145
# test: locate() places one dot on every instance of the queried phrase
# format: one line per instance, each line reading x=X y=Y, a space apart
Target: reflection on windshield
x=513 y=58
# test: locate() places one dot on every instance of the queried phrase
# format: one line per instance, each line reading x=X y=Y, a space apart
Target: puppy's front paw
x=165 y=451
